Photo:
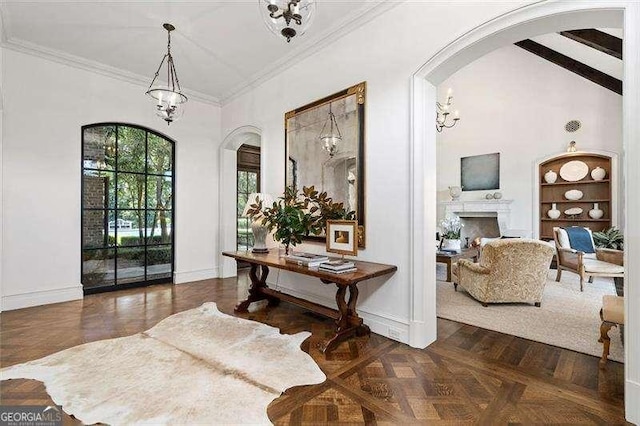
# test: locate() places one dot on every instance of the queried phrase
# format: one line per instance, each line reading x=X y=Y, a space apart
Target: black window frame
x=115 y=208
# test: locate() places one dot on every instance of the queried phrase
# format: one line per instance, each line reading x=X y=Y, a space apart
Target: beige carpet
x=196 y=367
x=567 y=318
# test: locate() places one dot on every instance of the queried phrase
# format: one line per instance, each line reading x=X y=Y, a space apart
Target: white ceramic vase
x=550 y=176
x=455 y=192
x=598 y=173
x=596 y=212
x=455 y=245
x=554 y=213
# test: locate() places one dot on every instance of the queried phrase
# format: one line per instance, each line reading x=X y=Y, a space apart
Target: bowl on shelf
x=573 y=212
x=573 y=194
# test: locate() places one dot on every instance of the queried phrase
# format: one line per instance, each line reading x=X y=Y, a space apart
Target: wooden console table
x=348 y=322
x=449 y=258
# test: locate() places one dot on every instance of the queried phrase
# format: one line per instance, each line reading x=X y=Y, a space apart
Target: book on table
x=340 y=271
x=306 y=259
x=337 y=265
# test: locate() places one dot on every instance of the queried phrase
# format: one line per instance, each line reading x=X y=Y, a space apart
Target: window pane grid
x=131 y=209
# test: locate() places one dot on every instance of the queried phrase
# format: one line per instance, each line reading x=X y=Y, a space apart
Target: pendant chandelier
x=169 y=97
x=331 y=138
x=442 y=113
x=288 y=18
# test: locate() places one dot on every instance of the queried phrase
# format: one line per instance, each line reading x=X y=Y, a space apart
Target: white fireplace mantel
x=500 y=209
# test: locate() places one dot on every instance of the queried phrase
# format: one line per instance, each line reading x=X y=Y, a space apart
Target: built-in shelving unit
x=594 y=191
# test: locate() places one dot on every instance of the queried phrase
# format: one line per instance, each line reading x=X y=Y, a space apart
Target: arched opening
x=526 y=22
x=246 y=135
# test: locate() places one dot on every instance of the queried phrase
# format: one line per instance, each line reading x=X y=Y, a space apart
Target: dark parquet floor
x=468 y=376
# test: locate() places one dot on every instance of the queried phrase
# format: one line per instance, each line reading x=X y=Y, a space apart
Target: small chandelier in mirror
x=332 y=137
x=443 y=113
x=169 y=97
x=288 y=18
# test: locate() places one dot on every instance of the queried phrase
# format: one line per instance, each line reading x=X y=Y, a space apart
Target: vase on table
x=451 y=244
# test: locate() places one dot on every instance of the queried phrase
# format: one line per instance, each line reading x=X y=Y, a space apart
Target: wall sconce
x=442 y=113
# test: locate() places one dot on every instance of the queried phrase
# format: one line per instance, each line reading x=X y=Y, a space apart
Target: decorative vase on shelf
x=550 y=176
x=596 y=212
x=554 y=213
x=451 y=245
x=598 y=173
x=455 y=192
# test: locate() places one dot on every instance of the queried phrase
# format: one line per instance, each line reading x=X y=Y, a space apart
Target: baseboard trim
x=384 y=325
x=197 y=275
x=632 y=396
x=43 y=297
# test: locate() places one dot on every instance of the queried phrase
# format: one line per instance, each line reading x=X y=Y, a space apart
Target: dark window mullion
x=116 y=211
x=146 y=200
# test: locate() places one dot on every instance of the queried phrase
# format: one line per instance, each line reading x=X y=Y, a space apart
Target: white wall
x=384 y=52
x=45 y=105
x=517 y=104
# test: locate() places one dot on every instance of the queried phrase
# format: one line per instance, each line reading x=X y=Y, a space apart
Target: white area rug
x=196 y=367
x=567 y=318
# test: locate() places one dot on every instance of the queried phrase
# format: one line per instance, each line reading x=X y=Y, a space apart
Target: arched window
x=128 y=175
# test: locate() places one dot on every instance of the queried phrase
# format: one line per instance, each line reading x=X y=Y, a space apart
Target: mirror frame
x=359 y=91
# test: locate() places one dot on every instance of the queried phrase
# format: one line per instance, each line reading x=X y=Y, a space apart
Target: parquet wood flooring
x=468 y=376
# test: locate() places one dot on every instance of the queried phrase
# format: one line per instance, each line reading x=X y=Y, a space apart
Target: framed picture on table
x=342 y=237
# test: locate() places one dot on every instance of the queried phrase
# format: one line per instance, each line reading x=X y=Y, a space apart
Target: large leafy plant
x=610 y=238
x=295 y=216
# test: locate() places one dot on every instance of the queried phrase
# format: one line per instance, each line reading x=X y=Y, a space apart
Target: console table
x=348 y=322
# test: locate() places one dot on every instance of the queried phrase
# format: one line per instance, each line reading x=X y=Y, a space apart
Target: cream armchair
x=602 y=263
x=511 y=270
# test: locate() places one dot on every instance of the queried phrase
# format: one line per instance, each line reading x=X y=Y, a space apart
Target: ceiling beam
x=583 y=70
x=606 y=43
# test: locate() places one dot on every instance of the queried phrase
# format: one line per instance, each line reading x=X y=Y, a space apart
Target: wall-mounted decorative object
x=339 y=171
x=574 y=171
x=554 y=213
x=573 y=194
x=550 y=177
x=596 y=212
x=598 y=173
x=455 y=192
x=288 y=18
x=443 y=111
x=480 y=172
x=572 y=147
x=573 y=212
x=169 y=97
x=497 y=195
x=342 y=237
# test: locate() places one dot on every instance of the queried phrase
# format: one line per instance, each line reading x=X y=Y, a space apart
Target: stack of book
x=309 y=260
x=338 y=266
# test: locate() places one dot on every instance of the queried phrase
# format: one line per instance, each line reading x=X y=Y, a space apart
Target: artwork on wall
x=324 y=144
x=480 y=172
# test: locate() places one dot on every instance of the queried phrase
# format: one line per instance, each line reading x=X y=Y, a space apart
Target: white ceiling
x=219 y=47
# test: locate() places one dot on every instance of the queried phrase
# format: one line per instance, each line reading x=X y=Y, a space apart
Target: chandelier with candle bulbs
x=443 y=111
x=169 y=97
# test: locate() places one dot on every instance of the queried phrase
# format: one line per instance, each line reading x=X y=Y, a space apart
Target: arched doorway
x=248 y=135
x=525 y=22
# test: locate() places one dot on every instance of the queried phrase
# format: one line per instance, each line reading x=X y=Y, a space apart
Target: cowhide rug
x=196 y=367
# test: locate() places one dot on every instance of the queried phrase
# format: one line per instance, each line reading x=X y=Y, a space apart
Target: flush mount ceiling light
x=331 y=138
x=169 y=96
x=288 y=18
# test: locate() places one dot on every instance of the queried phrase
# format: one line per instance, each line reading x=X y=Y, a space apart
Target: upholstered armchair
x=511 y=270
x=602 y=263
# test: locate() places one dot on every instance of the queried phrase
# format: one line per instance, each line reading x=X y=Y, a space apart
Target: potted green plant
x=295 y=216
x=611 y=238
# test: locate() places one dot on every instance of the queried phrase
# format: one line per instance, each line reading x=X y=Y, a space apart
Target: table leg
x=348 y=323
x=258 y=282
x=448 y=270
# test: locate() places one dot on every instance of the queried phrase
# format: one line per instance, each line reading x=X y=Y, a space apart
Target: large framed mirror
x=324 y=147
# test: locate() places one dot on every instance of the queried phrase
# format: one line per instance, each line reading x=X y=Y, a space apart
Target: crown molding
x=94 y=66
x=345 y=26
